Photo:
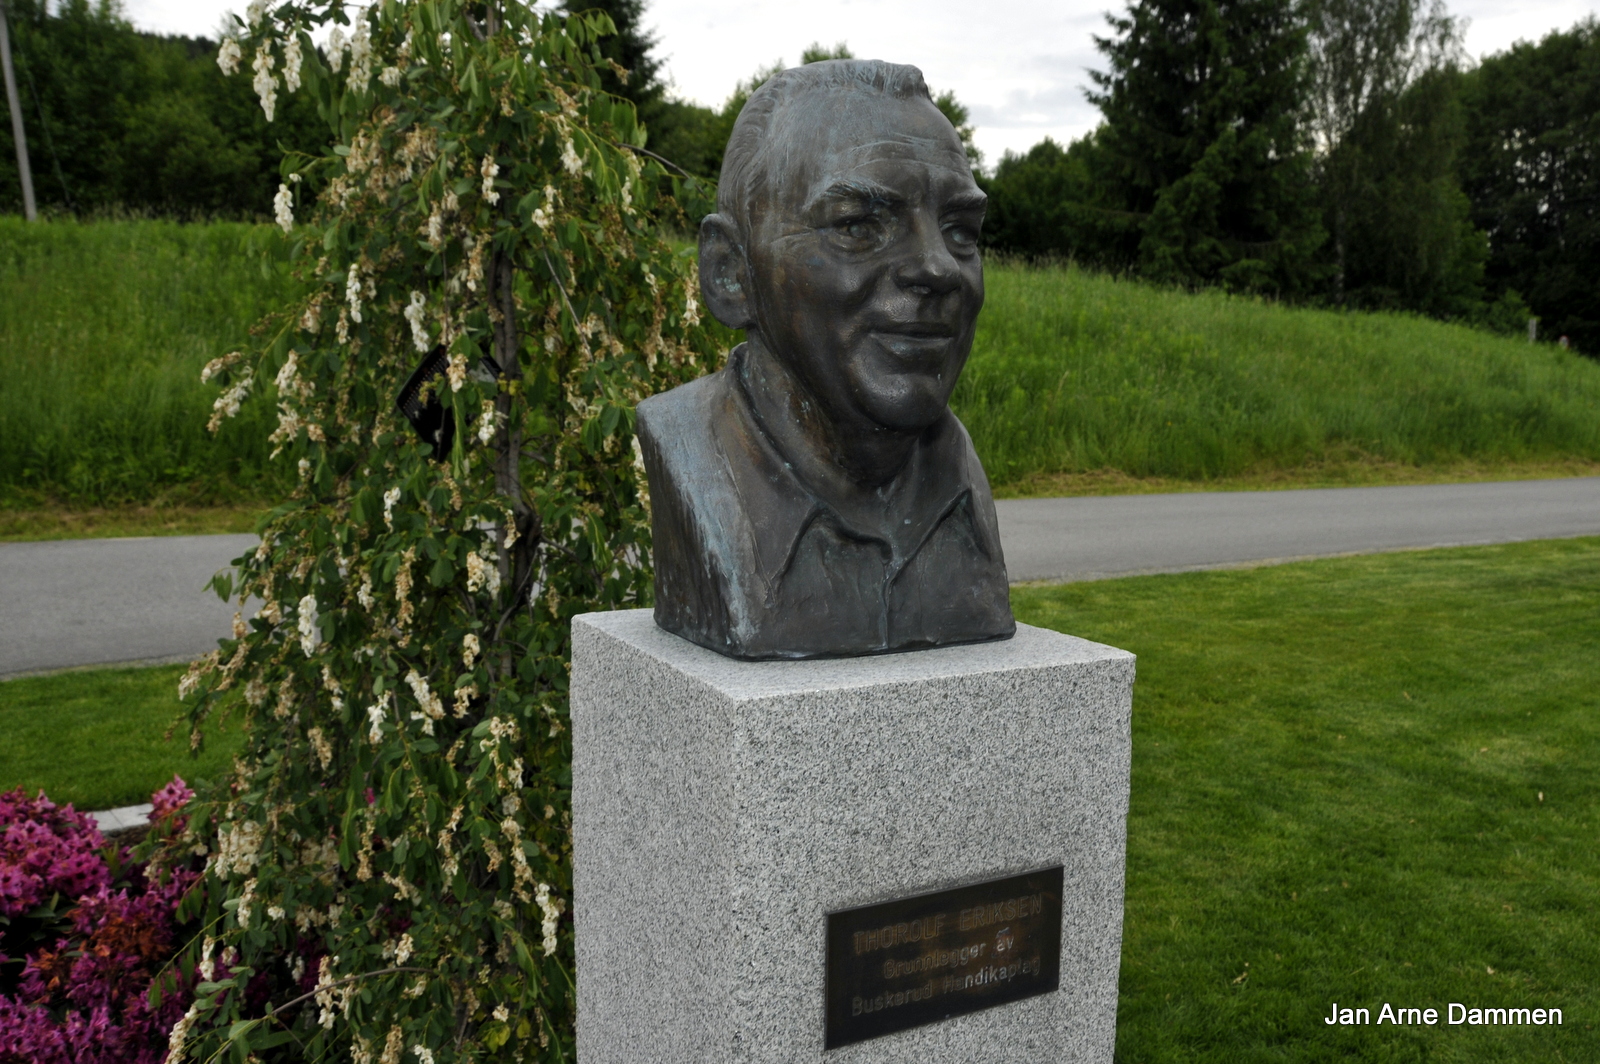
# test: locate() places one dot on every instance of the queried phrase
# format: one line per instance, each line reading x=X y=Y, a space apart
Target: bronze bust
x=816 y=497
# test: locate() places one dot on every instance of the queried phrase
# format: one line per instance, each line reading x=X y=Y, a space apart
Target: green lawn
x=1336 y=797
x=94 y=738
x=1337 y=778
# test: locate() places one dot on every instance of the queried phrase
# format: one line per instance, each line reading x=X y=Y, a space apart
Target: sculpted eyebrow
x=971 y=201
x=857 y=192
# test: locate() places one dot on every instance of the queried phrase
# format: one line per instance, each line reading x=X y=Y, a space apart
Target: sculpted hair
x=743 y=163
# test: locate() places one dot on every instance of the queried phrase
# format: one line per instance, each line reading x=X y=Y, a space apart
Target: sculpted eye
x=857 y=228
x=961 y=235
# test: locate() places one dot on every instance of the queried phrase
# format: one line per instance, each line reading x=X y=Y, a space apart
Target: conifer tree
x=1203 y=135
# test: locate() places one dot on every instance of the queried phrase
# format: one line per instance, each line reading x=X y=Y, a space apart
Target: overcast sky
x=1019 y=66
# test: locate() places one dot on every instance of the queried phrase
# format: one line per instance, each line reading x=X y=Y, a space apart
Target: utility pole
x=28 y=207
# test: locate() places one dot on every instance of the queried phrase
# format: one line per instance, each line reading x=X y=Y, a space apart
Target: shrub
x=88 y=979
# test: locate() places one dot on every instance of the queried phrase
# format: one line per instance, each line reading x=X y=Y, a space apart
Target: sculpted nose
x=928 y=268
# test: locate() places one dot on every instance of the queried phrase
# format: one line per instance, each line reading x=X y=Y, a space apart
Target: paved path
x=83 y=602
x=92 y=601
x=1119 y=535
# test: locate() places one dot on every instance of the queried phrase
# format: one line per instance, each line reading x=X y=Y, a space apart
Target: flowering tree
x=389 y=864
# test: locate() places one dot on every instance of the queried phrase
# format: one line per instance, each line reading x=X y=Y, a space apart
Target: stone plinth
x=721 y=809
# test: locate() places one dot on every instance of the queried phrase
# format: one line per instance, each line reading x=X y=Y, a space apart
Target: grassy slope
x=1336 y=797
x=103 y=330
x=1075 y=372
x=1078 y=384
x=95 y=738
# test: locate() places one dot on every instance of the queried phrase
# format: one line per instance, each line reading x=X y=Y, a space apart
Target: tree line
x=1336 y=151
x=1343 y=152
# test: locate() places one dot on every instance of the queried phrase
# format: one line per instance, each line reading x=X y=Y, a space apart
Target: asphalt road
x=97 y=601
x=85 y=602
x=1121 y=535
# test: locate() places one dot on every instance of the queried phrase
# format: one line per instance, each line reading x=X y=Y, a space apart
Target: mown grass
x=1074 y=372
x=95 y=737
x=104 y=327
x=1360 y=780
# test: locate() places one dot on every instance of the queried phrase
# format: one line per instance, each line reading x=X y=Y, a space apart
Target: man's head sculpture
x=817 y=498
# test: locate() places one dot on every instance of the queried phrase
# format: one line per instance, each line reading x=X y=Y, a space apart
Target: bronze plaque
x=912 y=961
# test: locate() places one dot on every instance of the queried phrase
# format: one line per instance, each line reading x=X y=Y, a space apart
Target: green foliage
x=1385 y=112
x=96 y=738
x=120 y=119
x=629 y=47
x=1073 y=372
x=694 y=137
x=1533 y=135
x=1406 y=238
x=1202 y=106
x=1054 y=203
x=398 y=820
x=104 y=328
x=1360 y=780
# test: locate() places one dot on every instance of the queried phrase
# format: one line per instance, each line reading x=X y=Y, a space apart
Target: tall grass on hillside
x=1073 y=372
x=104 y=328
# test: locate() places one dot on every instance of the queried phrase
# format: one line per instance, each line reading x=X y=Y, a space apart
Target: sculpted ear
x=724 y=276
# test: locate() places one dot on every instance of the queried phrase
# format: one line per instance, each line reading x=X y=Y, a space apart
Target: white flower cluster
x=353 y=290
x=488 y=422
x=228 y=56
x=246 y=904
x=330 y=997
x=265 y=84
x=238 y=848
x=360 y=57
x=470 y=649
x=571 y=160
x=336 y=45
x=217 y=365
x=390 y=497
x=551 y=908
x=283 y=208
x=375 y=722
x=227 y=404
x=308 y=624
x=482 y=572
x=320 y=746
x=457 y=371
x=180 y=1031
x=390 y=76
x=416 y=313
x=291 y=62
x=489 y=170
x=424 y=1054
x=432 y=707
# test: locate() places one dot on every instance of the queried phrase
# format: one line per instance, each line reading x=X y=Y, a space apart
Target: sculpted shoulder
x=677 y=420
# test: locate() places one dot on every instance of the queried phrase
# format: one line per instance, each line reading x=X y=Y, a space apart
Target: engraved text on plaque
x=912 y=961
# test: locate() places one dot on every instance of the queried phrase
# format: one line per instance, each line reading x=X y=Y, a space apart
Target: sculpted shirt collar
x=781 y=506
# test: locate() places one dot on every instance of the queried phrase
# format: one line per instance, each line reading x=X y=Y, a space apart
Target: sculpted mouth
x=931 y=329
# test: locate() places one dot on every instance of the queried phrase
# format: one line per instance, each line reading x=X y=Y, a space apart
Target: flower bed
x=87 y=932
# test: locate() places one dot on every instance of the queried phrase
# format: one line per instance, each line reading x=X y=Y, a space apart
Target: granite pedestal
x=721 y=809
